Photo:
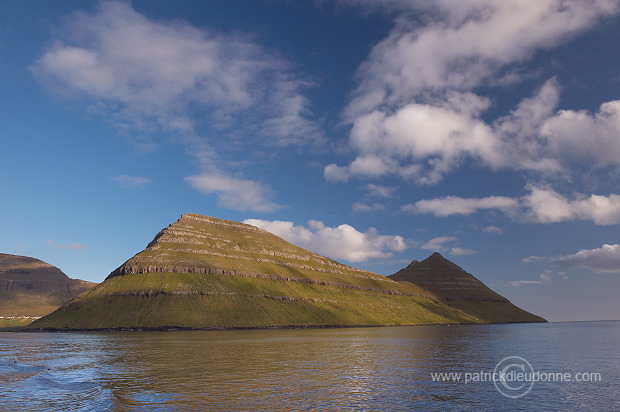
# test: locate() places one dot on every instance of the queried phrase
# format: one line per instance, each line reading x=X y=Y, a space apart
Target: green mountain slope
x=202 y=273
x=30 y=287
x=455 y=287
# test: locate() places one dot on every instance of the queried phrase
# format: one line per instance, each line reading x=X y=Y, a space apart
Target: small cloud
x=519 y=283
x=362 y=207
x=335 y=173
x=234 y=193
x=439 y=244
x=544 y=277
x=380 y=191
x=125 y=181
x=493 y=229
x=459 y=251
x=72 y=246
x=369 y=202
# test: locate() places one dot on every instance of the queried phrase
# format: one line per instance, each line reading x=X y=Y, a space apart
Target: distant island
x=31 y=288
x=206 y=273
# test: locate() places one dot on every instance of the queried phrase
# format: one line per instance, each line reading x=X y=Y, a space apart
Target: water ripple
x=379 y=369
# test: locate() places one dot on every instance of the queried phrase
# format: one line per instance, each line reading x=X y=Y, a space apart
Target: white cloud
x=438 y=244
x=454 y=205
x=72 y=246
x=342 y=242
x=205 y=90
x=547 y=206
x=235 y=193
x=544 y=277
x=414 y=113
x=605 y=259
x=153 y=74
x=398 y=143
x=125 y=181
x=519 y=132
x=519 y=283
x=493 y=229
x=380 y=191
x=363 y=207
x=464 y=45
x=582 y=136
x=459 y=251
x=541 y=205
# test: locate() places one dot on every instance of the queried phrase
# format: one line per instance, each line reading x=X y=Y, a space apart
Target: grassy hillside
x=191 y=300
x=202 y=273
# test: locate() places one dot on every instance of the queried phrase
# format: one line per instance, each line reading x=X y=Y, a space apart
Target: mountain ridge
x=30 y=287
x=201 y=272
x=457 y=288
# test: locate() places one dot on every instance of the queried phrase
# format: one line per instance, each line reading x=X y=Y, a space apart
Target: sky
x=374 y=132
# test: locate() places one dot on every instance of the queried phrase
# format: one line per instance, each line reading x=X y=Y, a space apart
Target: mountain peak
x=434 y=271
x=452 y=284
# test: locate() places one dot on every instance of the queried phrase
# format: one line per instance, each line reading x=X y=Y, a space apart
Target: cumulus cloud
x=585 y=136
x=415 y=112
x=605 y=259
x=399 y=142
x=235 y=193
x=547 y=206
x=71 y=246
x=202 y=88
x=541 y=205
x=343 y=242
x=125 y=181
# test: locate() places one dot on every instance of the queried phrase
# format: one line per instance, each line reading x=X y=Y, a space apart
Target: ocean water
x=571 y=366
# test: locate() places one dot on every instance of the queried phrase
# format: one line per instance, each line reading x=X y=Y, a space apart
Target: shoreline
x=285 y=327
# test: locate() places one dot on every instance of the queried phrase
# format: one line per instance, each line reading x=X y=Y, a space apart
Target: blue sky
x=374 y=132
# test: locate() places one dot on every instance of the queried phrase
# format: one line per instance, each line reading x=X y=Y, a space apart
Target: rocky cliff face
x=202 y=244
x=204 y=273
x=31 y=287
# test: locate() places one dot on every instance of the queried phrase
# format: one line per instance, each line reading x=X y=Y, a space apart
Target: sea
x=512 y=367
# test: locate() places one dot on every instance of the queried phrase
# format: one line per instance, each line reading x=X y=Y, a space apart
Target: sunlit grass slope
x=202 y=273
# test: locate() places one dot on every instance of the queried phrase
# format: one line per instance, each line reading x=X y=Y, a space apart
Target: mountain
x=30 y=287
x=455 y=287
x=206 y=273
